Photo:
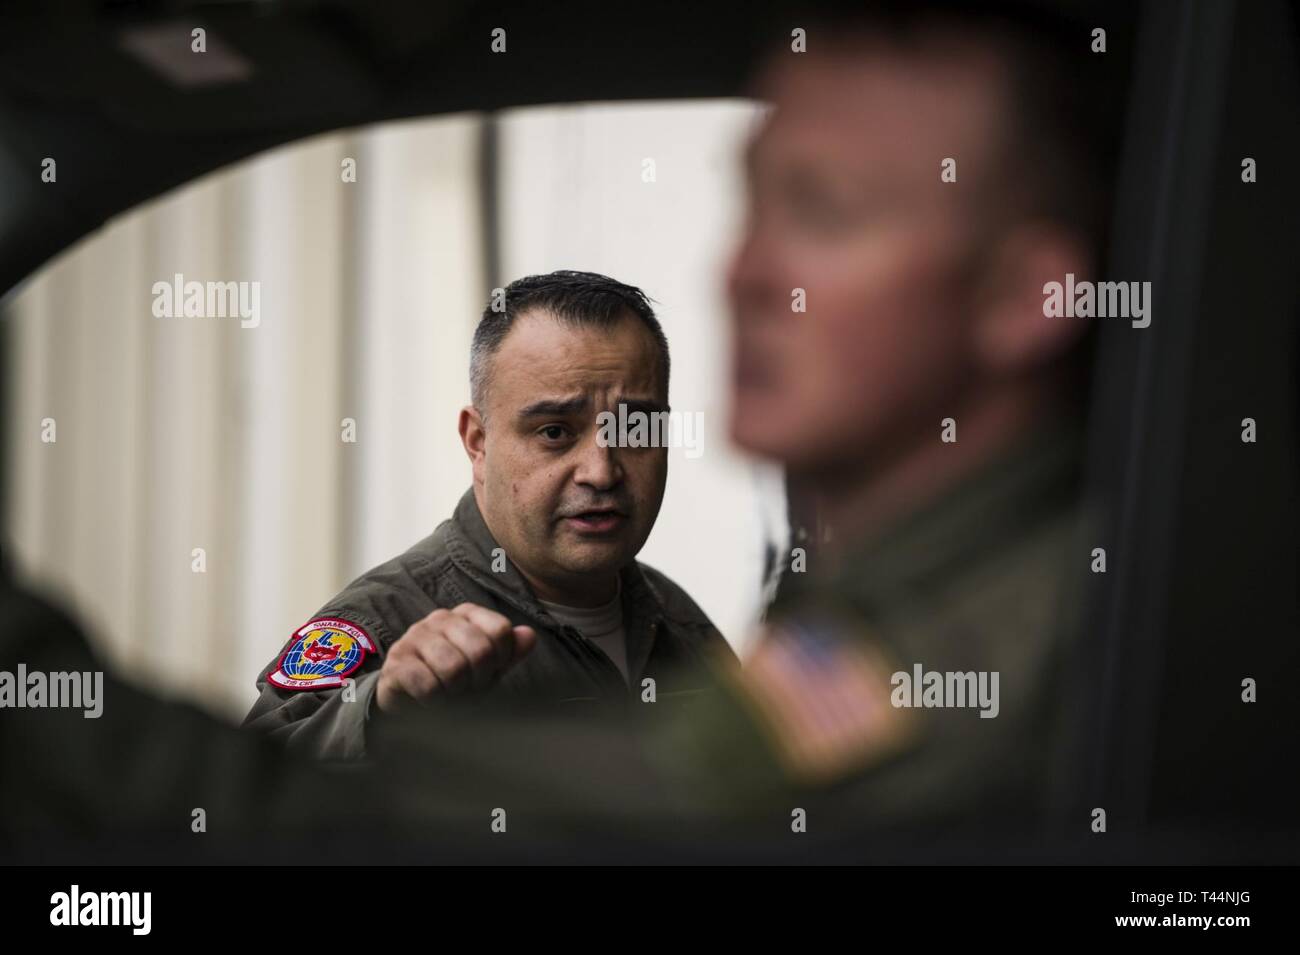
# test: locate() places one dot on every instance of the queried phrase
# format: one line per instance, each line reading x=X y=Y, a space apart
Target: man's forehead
x=543 y=355
x=880 y=104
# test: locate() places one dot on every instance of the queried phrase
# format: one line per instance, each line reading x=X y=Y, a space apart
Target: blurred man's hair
x=1058 y=158
x=575 y=298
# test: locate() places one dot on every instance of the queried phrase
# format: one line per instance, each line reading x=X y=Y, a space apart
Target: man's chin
x=798 y=449
x=760 y=431
x=585 y=574
x=595 y=556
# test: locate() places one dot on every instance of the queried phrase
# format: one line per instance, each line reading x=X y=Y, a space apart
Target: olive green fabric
x=983 y=580
x=668 y=637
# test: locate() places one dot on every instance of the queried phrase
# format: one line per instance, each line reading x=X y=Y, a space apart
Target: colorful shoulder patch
x=321 y=655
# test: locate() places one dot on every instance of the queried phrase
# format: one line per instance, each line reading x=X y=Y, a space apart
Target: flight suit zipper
x=595 y=653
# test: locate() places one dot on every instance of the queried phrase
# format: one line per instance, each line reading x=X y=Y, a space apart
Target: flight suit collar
x=470 y=545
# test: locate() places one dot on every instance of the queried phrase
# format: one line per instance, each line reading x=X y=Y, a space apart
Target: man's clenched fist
x=451 y=651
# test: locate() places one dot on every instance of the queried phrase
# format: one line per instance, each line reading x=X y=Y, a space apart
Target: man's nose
x=753 y=269
x=598 y=467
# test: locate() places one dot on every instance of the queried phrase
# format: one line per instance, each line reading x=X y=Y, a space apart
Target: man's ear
x=474 y=437
x=1011 y=333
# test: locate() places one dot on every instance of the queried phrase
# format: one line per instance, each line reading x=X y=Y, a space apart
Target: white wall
x=575 y=190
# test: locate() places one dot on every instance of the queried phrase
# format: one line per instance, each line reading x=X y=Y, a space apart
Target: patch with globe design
x=321 y=655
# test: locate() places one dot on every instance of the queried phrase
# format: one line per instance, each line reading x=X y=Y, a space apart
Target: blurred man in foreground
x=921 y=182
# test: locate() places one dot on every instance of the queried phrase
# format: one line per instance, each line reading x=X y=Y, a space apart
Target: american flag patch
x=824 y=695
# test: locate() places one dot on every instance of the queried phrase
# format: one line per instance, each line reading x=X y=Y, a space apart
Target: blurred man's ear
x=1011 y=334
x=474 y=437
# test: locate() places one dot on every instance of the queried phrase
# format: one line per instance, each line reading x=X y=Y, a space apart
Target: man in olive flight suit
x=531 y=591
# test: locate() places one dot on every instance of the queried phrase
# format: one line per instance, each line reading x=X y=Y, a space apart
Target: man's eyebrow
x=555 y=407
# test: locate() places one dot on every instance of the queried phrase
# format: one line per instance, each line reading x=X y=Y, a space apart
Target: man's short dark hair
x=575 y=298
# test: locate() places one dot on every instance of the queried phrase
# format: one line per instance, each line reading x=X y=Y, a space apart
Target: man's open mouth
x=597 y=520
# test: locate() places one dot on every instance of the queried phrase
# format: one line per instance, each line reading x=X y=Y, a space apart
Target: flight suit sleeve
x=326 y=723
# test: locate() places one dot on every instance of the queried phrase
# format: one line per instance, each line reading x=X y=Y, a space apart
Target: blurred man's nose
x=599 y=468
x=753 y=273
